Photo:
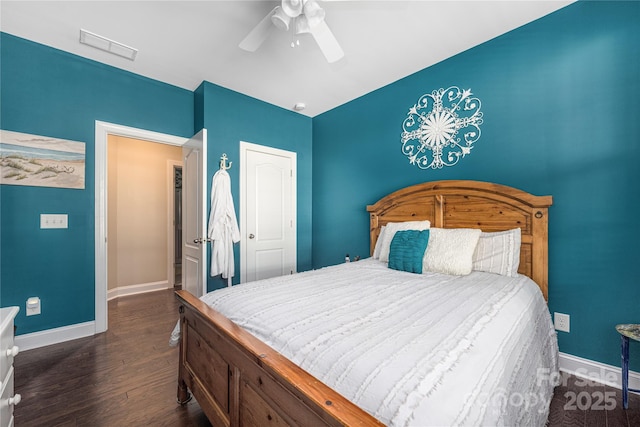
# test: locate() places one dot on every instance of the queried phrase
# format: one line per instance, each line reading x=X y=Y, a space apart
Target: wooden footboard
x=240 y=381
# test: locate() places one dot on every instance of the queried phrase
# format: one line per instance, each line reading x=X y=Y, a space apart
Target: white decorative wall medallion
x=441 y=128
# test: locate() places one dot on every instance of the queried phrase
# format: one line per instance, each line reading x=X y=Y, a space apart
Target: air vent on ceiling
x=108 y=45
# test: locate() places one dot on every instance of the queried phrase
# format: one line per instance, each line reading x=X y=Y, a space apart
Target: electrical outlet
x=562 y=322
x=33 y=306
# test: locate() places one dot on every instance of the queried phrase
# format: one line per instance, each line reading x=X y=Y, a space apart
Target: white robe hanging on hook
x=223 y=225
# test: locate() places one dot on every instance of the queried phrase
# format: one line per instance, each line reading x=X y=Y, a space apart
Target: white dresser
x=7 y=352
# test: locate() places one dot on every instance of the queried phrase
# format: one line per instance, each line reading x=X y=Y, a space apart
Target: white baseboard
x=137 y=289
x=55 y=335
x=596 y=371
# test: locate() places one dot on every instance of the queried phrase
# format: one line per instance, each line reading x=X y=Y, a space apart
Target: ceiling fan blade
x=259 y=34
x=327 y=42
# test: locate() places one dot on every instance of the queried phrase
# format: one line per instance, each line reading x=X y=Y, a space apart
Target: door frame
x=247 y=146
x=103 y=130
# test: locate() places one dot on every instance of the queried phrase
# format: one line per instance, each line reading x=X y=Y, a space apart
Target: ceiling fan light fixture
x=302 y=25
x=313 y=12
x=311 y=21
x=292 y=8
x=280 y=19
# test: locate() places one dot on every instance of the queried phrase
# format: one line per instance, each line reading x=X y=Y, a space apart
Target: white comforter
x=411 y=349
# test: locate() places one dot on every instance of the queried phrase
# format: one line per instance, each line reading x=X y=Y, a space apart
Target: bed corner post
x=374 y=231
x=540 y=254
x=183 y=393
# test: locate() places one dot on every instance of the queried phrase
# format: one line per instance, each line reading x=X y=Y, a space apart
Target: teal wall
x=231 y=117
x=560 y=102
x=49 y=92
x=53 y=93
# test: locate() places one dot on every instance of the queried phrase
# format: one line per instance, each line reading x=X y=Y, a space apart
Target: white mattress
x=410 y=349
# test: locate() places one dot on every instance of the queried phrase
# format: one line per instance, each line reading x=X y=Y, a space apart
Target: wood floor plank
x=595 y=413
x=127 y=377
x=633 y=412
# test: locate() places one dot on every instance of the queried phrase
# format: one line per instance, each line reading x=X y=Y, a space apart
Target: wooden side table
x=627 y=331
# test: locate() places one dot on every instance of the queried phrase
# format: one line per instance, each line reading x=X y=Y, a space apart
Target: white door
x=194 y=211
x=267 y=212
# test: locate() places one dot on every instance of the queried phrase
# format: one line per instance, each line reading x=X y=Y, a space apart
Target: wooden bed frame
x=240 y=381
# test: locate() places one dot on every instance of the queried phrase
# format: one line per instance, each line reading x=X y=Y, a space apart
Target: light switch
x=54 y=221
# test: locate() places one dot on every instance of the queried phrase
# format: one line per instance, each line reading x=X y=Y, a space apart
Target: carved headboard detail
x=474 y=204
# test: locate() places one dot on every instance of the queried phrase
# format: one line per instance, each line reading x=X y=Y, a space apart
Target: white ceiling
x=185 y=42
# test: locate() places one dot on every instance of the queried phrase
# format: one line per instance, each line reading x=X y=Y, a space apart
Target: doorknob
x=202 y=240
x=251 y=236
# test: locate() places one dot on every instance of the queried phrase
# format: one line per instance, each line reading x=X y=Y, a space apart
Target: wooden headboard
x=474 y=204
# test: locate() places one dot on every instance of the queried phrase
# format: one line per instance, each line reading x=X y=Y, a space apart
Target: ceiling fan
x=301 y=16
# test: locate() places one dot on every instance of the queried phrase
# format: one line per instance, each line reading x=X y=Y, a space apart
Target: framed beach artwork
x=41 y=161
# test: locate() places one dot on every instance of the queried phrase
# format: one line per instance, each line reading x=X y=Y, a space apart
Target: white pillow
x=498 y=252
x=376 y=249
x=450 y=250
x=390 y=231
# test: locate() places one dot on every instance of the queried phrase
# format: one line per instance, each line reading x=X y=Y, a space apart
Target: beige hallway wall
x=138 y=188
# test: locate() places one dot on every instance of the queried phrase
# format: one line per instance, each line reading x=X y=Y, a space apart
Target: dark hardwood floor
x=123 y=377
x=579 y=402
x=127 y=377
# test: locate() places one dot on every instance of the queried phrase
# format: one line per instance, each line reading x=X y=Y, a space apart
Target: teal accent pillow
x=407 y=250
